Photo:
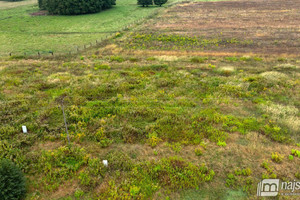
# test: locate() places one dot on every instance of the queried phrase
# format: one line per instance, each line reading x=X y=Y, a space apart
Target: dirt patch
x=40 y=13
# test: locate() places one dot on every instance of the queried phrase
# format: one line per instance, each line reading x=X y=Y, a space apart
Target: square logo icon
x=268 y=188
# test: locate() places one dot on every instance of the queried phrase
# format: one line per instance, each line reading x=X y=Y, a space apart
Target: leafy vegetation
x=12 y=181
x=147 y=124
x=160 y=2
x=77 y=7
x=110 y=101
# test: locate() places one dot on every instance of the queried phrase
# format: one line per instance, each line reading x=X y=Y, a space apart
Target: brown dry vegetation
x=269 y=26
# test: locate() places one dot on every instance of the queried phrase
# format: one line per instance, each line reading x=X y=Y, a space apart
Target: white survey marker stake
x=105 y=163
x=24 y=128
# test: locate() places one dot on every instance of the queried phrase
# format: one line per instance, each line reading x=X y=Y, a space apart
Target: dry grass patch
x=59 y=77
x=274 y=76
x=166 y=58
x=286 y=66
x=282 y=113
x=7 y=5
x=228 y=70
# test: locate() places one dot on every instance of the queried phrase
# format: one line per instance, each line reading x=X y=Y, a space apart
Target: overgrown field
x=173 y=124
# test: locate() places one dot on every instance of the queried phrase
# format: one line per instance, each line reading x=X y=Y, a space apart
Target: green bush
x=12 y=181
x=145 y=3
x=75 y=7
x=42 y=4
x=160 y=2
x=276 y=157
x=108 y=4
x=198 y=59
x=117 y=59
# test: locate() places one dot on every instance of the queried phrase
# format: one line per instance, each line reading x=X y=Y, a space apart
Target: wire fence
x=73 y=50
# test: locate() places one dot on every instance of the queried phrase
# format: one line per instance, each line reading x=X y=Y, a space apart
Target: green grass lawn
x=21 y=32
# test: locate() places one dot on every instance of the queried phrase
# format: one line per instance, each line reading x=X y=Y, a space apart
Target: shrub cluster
x=75 y=7
x=151 y=2
x=12 y=181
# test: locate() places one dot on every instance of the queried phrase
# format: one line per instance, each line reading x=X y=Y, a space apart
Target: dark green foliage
x=75 y=7
x=42 y=4
x=160 y=2
x=145 y=2
x=12 y=181
x=108 y=4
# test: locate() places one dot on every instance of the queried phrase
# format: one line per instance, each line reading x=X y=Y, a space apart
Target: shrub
x=221 y=144
x=145 y=3
x=117 y=59
x=198 y=152
x=42 y=4
x=75 y=7
x=297 y=175
x=108 y=4
x=101 y=138
x=153 y=139
x=160 y=2
x=12 y=181
x=198 y=60
x=101 y=66
x=276 y=157
x=295 y=153
x=231 y=180
x=244 y=172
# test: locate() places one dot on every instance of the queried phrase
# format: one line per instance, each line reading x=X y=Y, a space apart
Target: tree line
x=77 y=7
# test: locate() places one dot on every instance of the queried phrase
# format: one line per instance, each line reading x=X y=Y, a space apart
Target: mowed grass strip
x=7 y=4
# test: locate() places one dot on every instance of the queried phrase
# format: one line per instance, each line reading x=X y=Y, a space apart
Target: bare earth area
x=268 y=26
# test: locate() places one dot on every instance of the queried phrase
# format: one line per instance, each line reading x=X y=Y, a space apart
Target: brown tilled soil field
x=267 y=26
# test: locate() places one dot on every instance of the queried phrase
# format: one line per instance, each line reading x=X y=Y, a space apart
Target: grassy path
x=8 y=5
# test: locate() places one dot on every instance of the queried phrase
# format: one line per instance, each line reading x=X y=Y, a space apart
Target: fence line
x=78 y=49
